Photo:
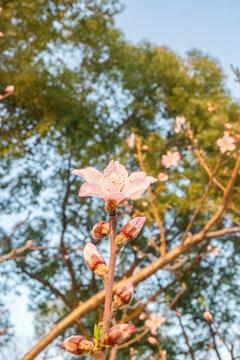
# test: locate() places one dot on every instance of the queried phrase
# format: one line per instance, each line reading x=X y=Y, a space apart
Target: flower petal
x=115 y=167
x=90 y=174
x=91 y=189
x=137 y=182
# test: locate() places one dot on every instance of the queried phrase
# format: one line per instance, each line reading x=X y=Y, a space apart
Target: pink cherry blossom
x=9 y=88
x=1 y=34
x=226 y=143
x=142 y=316
x=131 y=140
x=114 y=183
x=162 y=176
x=215 y=252
x=154 y=322
x=144 y=204
x=228 y=126
x=145 y=147
x=170 y=159
x=211 y=108
x=209 y=248
x=180 y=121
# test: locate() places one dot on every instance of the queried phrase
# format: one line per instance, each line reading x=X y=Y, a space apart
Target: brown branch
x=208 y=170
x=46 y=283
x=186 y=338
x=201 y=202
x=152 y=203
x=13 y=254
x=222 y=232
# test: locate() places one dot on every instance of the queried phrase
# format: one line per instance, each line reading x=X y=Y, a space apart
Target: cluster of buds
x=95 y=261
x=78 y=345
x=100 y=230
x=118 y=334
x=129 y=231
x=123 y=296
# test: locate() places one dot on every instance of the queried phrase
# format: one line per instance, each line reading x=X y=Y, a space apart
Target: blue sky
x=209 y=25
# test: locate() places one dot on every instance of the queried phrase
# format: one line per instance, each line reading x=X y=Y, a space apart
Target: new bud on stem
x=129 y=231
x=207 y=316
x=100 y=230
x=78 y=345
x=123 y=296
x=94 y=260
x=118 y=334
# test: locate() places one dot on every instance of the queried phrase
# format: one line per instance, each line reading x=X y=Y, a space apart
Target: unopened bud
x=123 y=296
x=207 y=316
x=78 y=345
x=118 y=334
x=130 y=231
x=152 y=340
x=100 y=230
x=94 y=260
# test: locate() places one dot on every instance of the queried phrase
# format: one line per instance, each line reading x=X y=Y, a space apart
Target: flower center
x=114 y=182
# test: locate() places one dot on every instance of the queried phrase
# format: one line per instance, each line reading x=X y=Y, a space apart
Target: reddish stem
x=109 y=282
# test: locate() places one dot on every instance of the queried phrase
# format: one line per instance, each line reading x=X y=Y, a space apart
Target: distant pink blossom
x=142 y=316
x=154 y=322
x=152 y=340
x=145 y=147
x=144 y=204
x=131 y=140
x=114 y=183
x=209 y=248
x=9 y=88
x=228 y=126
x=211 y=108
x=29 y=243
x=1 y=97
x=180 y=121
x=170 y=159
x=162 y=176
x=207 y=316
x=215 y=252
x=1 y=34
x=226 y=143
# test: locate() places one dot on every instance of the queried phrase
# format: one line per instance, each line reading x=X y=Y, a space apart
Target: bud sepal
x=95 y=261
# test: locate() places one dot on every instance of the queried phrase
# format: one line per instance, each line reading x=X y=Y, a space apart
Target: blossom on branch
x=170 y=159
x=114 y=184
x=154 y=322
x=180 y=121
x=100 y=230
x=94 y=260
x=226 y=143
x=129 y=231
x=78 y=345
x=9 y=88
x=118 y=334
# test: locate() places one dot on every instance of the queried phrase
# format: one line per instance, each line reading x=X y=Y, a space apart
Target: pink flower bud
x=118 y=334
x=66 y=257
x=1 y=97
x=100 y=230
x=207 y=316
x=144 y=204
x=211 y=108
x=209 y=248
x=215 y=252
x=145 y=147
x=9 y=88
x=142 y=316
x=1 y=34
x=123 y=296
x=29 y=243
x=152 y=340
x=130 y=231
x=78 y=345
x=94 y=260
x=162 y=177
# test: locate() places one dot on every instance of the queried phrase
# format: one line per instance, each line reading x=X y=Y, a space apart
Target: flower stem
x=110 y=278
